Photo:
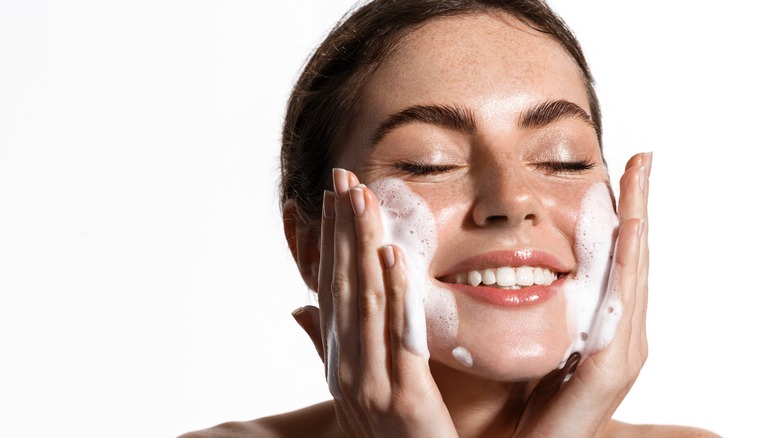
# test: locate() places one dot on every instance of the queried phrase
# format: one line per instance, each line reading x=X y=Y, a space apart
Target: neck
x=480 y=407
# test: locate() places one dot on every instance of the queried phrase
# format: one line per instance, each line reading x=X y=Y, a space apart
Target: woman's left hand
x=584 y=406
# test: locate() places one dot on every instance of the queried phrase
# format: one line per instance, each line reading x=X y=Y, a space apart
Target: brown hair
x=326 y=94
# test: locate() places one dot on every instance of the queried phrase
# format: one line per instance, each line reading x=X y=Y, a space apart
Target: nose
x=505 y=196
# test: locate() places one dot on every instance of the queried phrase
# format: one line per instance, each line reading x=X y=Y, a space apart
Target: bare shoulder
x=618 y=429
x=314 y=421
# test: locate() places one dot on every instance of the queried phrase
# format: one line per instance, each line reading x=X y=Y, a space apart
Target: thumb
x=308 y=317
x=547 y=388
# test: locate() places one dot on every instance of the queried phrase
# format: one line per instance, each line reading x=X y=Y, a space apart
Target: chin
x=500 y=343
x=505 y=346
x=502 y=362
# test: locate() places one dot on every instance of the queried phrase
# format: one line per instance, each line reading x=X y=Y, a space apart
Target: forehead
x=463 y=49
x=488 y=63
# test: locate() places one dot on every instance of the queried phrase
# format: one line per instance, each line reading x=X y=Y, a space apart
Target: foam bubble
x=409 y=224
x=593 y=307
x=463 y=356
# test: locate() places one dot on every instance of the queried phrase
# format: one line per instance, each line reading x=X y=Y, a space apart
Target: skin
x=498 y=195
x=497 y=192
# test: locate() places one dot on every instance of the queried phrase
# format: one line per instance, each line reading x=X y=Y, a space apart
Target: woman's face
x=486 y=121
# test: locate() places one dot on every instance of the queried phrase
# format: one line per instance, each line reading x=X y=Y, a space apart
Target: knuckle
x=370 y=302
x=339 y=284
x=395 y=293
x=366 y=237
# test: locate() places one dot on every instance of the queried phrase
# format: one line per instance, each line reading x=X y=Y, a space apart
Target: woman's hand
x=584 y=407
x=381 y=387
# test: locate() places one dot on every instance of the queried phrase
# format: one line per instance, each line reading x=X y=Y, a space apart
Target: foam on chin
x=409 y=224
x=593 y=306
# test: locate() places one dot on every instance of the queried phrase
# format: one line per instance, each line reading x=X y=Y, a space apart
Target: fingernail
x=648 y=161
x=642 y=178
x=388 y=256
x=571 y=367
x=358 y=202
x=340 y=183
x=297 y=312
x=328 y=207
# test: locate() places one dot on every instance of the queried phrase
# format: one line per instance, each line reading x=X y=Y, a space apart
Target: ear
x=304 y=244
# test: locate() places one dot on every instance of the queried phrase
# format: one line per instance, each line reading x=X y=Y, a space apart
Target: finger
x=406 y=320
x=325 y=298
x=623 y=276
x=308 y=318
x=633 y=189
x=344 y=370
x=550 y=384
x=371 y=296
x=415 y=393
x=640 y=325
x=344 y=279
x=636 y=186
x=633 y=204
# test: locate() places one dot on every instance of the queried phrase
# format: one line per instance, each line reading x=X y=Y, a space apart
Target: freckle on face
x=497 y=71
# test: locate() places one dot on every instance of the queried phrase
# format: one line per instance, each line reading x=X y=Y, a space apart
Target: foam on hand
x=593 y=306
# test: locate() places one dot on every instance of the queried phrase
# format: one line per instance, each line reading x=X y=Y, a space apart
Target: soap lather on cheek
x=593 y=306
x=409 y=224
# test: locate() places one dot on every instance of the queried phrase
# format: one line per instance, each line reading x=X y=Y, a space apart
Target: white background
x=145 y=286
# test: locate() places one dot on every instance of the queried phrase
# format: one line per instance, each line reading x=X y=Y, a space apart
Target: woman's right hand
x=381 y=386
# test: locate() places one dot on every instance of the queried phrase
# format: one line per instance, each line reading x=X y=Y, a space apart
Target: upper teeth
x=507 y=277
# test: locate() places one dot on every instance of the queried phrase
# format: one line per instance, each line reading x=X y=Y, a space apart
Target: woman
x=467 y=280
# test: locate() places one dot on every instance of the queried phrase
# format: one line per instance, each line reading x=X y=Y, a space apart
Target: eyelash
x=552 y=166
x=422 y=169
x=565 y=166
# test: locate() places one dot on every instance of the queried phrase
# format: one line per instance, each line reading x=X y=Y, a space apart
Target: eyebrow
x=462 y=119
x=552 y=111
x=450 y=117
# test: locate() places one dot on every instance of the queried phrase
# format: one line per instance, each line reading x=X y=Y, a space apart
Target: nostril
x=501 y=219
x=496 y=219
x=502 y=209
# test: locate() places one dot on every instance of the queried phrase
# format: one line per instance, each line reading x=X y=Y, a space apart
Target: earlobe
x=303 y=241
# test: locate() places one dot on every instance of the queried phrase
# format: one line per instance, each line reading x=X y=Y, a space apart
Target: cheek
x=593 y=313
x=563 y=207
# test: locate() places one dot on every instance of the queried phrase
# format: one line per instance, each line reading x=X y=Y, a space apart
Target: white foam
x=333 y=361
x=463 y=356
x=592 y=305
x=409 y=224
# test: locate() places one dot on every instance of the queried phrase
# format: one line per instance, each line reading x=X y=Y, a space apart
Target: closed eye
x=423 y=169
x=564 y=166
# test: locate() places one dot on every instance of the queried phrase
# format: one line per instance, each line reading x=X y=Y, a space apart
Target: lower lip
x=527 y=296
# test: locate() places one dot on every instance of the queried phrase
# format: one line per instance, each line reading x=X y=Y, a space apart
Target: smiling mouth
x=505 y=277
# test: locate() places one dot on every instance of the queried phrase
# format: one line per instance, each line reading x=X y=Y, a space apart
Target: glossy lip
x=508 y=297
